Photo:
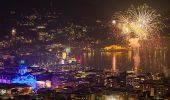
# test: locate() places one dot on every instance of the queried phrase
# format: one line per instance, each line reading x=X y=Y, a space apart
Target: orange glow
x=114 y=47
x=48 y=84
x=13 y=32
x=114 y=62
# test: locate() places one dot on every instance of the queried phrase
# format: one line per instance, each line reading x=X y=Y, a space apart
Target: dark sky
x=96 y=7
x=91 y=10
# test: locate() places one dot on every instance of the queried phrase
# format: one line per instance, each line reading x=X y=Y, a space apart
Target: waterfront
x=120 y=61
x=84 y=50
x=157 y=61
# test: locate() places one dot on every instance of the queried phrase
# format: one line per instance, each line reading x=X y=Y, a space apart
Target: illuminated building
x=64 y=55
x=43 y=84
x=23 y=77
x=43 y=79
x=114 y=47
x=155 y=88
x=10 y=90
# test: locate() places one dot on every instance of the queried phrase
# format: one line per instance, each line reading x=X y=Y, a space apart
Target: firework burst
x=142 y=22
x=140 y=28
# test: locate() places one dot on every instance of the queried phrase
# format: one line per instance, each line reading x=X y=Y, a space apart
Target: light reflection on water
x=106 y=60
x=122 y=61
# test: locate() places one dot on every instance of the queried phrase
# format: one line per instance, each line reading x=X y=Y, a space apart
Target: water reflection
x=114 y=63
x=122 y=61
x=106 y=60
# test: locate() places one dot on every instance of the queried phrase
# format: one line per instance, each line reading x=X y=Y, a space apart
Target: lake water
x=158 y=60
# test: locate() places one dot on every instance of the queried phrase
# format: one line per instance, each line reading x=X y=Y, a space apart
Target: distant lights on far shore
x=13 y=32
x=113 y=22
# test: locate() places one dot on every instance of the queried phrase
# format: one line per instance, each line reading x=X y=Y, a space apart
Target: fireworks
x=142 y=22
x=140 y=28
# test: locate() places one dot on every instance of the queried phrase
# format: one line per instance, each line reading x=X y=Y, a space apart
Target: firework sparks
x=143 y=22
x=137 y=26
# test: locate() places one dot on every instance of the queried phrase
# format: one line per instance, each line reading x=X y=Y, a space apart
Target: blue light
x=22 y=62
x=24 y=78
x=22 y=69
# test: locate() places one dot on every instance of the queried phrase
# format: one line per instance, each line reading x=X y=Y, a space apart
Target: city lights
x=85 y=50
x=24 y=78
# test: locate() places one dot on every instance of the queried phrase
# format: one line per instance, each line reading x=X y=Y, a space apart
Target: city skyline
x=85 y=49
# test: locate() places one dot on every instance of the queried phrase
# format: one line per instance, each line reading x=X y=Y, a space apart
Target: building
x=17 y=75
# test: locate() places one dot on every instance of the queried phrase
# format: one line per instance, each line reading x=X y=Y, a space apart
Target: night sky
x=88 y=10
